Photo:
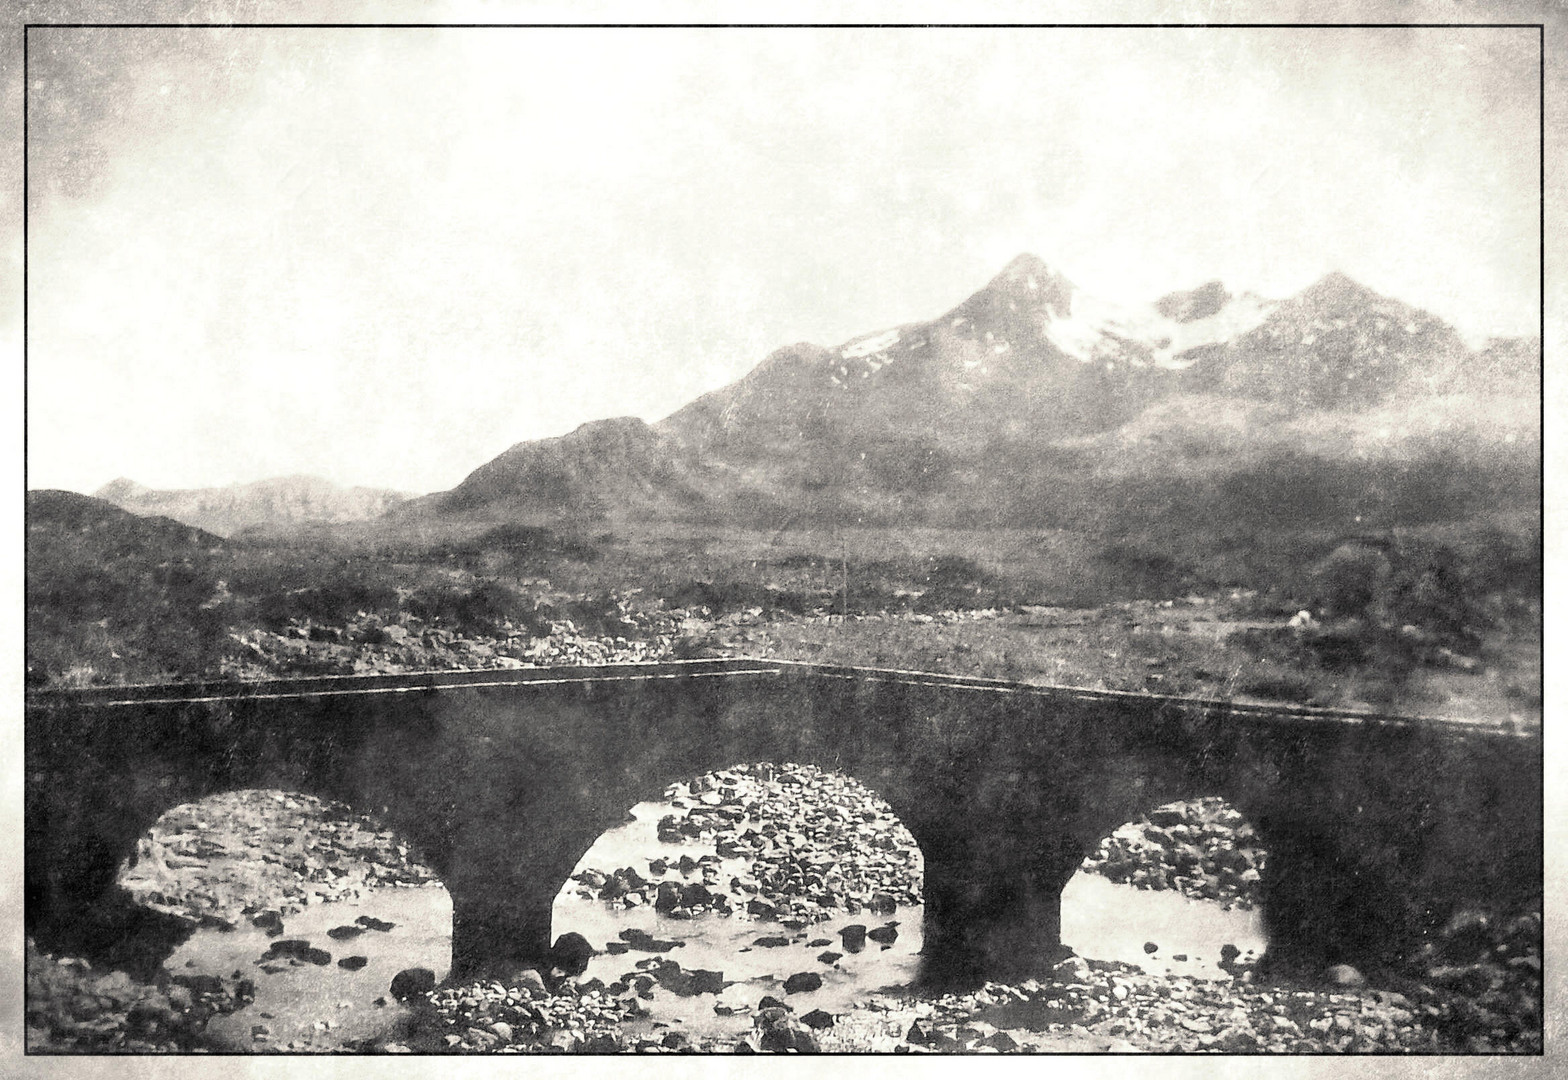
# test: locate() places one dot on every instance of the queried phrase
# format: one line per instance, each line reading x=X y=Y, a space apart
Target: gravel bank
x=814 y=843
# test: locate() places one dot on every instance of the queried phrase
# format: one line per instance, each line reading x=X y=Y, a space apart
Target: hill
x=110 y=593
x=275 y=505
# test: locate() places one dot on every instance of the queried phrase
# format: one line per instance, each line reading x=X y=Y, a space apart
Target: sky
x=384 y=256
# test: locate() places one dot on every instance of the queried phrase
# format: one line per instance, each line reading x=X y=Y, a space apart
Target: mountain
x=1337 y=344
x=1022 y=405
x=619 y=465
x=267 y=505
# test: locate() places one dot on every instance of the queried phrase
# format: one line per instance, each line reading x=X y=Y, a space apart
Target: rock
x=289 y=947
x=829 y=957
x=370 y=923
x=502 y=1030
x=413 y=982
x=1001 y=1042
x=270 y=921
x=707 y=982
x=1466 y=935
x=345 y=933
x=760 y=908
x=352 y=963
x=884 y=935
x=771 y=941
x=530 y=981
x=1150 y=947
x=777 y=1032
x=816 y=1019
x=669 y=896
x=695 y=895
x=571 y=953
x=803 y=982
x=1345 y=975
x=1073 y=969
x=1228 y=953
x=854 y=937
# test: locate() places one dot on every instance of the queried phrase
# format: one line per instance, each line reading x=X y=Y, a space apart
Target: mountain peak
x=1024 y=264
x=121 y=487
x=1034 y=274
x=1337 y=289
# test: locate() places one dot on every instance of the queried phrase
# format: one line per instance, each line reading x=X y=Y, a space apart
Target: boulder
x=1345 y=975
x=270 y=921
x=413 y=982
x=803 y=982
x=695 y=895
x=707 y=982
x=854 y=937
x=816 y=1019
x=777 y=1032
x=668 y=898
x=530 y=981
x=571 y=953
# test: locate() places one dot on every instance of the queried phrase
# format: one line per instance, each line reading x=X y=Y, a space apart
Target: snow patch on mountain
x=868 y=346
x=1099 y=330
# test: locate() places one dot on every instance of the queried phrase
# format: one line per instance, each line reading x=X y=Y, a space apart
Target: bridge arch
x=783 y=850
x=1182 y=880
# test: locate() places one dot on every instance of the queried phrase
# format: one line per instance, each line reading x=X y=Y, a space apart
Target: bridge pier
x=994 y=910
x=499 y=937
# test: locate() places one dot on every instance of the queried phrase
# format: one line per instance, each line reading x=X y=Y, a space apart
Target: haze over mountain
x=280 y=502
x=1032 y=402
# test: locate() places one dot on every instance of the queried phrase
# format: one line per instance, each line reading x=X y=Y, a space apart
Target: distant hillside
x=619 y=466
x=111 y=595
x=266 y=505
x=54 y=516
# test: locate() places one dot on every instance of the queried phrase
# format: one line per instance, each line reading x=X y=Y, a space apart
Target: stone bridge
x=1376 y=827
